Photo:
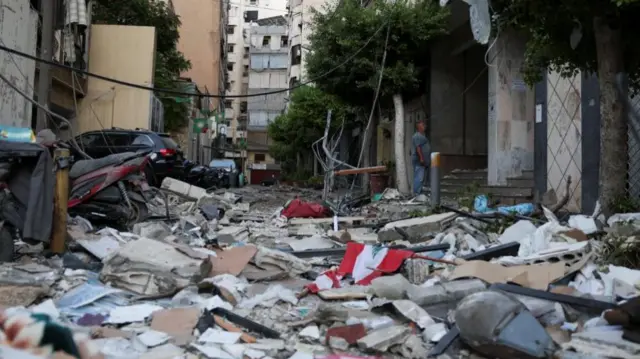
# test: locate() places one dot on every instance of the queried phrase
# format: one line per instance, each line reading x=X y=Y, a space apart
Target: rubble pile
x=226 y=276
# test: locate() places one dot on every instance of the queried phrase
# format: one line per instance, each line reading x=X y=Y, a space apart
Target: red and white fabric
x=364 y=263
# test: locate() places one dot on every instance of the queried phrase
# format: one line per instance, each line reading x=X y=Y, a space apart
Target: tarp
x=300 y=209
x=32 y=183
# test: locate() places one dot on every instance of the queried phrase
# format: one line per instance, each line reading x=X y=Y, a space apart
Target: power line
x=45 y=109
x=181 y=93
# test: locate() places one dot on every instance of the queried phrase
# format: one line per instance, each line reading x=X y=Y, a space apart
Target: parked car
x=166 y=155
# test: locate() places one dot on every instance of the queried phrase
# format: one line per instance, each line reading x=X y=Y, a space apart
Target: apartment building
x=243 y=15
x=202 y=41
x=268 y=54
x=300 y=17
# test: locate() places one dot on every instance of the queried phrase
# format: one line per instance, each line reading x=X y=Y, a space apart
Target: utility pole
x=48 y=11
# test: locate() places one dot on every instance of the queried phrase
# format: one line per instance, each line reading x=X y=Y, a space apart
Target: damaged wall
x=125 y=53
x=511 y=111
x=18 y=30
x=457 y=123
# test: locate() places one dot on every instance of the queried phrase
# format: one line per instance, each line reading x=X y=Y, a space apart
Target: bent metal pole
x=434 y=174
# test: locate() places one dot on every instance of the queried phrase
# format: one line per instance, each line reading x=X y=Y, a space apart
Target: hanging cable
x=375 y=100
x=181 y=93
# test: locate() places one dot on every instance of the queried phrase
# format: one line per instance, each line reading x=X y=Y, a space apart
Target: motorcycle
x=203 y=176
x=110 y=189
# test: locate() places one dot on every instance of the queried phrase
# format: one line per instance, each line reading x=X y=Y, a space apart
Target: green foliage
x=169 y=61
x=341 y=31
x=295 y=131
x=550 y=23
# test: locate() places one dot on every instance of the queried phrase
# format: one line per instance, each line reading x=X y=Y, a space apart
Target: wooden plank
x=303 y=221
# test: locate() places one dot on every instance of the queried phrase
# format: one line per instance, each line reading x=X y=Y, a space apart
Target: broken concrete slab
x=381 y=339
x=360 y=235
x=415 y=228
x=183 y=188
x=232 y=234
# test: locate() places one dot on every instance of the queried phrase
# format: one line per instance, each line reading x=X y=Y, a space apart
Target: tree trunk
x=613 y=121
x=398 y=146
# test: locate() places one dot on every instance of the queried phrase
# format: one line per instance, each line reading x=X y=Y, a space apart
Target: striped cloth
x=39 y=335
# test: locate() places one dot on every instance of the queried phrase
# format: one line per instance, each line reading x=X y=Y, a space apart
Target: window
x=119 y=139
x=266 y=40
x=228 y=104
x=253 y=2
x=245 y=72
x=243 y=107
x=91 y=140
x=246 y=52
x=231 y=29
x=227 y=85
x=284 y=40
x=230 y=48
x=296 y=55
x=250 y=16
x=293 y=81
x=230 y=66
x=143 y=141
x=259 y=157
x=169 y=143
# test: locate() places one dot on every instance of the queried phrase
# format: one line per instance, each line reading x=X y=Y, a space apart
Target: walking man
x=420 y=157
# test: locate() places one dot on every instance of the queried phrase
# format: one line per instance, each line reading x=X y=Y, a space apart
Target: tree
x=596 y=36
x=404 y=28
x=169 y=62
x=304 y=122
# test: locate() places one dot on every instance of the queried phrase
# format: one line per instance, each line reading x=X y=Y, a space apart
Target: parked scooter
x=110 y=189
x=203 y=176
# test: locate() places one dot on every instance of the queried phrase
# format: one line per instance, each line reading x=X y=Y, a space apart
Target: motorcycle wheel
x=139 y=214
x=6 y=245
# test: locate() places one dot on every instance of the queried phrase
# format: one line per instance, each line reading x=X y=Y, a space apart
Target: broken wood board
x=329 y=220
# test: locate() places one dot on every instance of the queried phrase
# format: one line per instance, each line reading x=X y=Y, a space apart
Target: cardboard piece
x=576 y=234
x=178 y=323
x=536 y=276
x=231 y=261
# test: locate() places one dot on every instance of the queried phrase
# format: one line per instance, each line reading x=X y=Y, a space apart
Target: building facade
x=300 y=17
x=19 y=27
x=126 y=53
x=242 y=15
x=268 y=56
x=202 y=41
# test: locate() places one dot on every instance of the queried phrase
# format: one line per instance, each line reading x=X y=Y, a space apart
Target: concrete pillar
x=511 y=111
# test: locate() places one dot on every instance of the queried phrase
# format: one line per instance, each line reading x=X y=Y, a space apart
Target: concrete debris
x=226 y=276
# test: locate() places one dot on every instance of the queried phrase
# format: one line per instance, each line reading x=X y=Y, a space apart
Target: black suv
x=166 y=158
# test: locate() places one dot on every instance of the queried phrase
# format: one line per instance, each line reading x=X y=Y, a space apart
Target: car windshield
x=223 y=164
x=169 y=143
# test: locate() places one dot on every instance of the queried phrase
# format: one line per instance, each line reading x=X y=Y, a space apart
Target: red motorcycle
x=110 y=189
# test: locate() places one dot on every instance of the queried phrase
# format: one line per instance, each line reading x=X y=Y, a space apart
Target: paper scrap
x=217 y=336
x=231 y=261
x=177 y=322
x=152 y=338
x=132 y=313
